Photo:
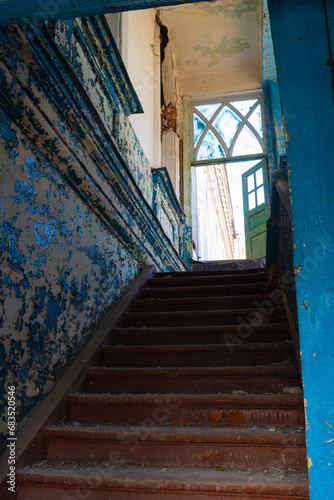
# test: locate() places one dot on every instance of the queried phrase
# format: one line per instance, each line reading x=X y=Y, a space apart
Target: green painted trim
x=261 y=228
x=187 y=179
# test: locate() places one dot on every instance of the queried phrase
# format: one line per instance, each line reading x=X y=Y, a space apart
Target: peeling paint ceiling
x=216 y=45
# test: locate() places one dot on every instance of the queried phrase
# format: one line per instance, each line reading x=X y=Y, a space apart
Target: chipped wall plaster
x=60 y=271
x=76 y=195
x=141 y=54
x=222 y=50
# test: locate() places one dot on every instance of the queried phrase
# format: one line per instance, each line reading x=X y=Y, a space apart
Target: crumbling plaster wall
x=76 y=192
x=140 y=51
x=60 y=271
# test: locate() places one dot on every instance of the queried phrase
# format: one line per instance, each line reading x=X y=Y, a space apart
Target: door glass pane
x=251 y=201
x=250 y=183
x=260 y=195
x=226 y=124
x=259 y=177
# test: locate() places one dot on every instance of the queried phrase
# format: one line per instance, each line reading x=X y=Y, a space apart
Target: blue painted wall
x=77 y=223
x=33 y=11
x=60 y=270
x=273 y=110
x=304 y=77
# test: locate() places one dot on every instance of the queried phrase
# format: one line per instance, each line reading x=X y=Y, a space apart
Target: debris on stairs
x=197 y=394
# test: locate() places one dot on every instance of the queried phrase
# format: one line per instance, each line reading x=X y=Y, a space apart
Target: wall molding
x=167 y=206
x=45 y=99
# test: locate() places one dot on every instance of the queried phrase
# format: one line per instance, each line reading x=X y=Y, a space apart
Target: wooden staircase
x=197 y=395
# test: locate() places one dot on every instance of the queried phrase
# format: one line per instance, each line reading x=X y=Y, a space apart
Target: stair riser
x=198 y=385
x=206 y=304
x=193 y=359
x=142 y=338
x=149 y=320
x=182 y=454
x=43 y=492
x=209 y=291
x=209 y=280
x=214 y=272
x=187 y=415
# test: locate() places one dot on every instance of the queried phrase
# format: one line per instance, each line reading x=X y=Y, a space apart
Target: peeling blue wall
x=60 y=271
x=273 y=110
x=77 y=223
x=306 y=91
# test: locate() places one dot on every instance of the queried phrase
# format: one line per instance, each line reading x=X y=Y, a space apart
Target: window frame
x=244 y=121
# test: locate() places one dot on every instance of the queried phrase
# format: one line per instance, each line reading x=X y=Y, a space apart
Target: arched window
x=227 y=128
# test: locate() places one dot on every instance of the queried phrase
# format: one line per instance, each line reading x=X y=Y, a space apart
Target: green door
x=256 y=209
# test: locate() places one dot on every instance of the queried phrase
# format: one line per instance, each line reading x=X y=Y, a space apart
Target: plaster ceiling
x=217 y=46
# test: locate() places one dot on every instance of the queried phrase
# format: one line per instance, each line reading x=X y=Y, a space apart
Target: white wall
x=170 y=158
x=138 y=32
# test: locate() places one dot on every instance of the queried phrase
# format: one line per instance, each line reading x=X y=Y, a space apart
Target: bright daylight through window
x=230 y=131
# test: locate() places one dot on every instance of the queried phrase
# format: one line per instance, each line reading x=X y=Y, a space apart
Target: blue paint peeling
x=77 y=223
x=306 y=92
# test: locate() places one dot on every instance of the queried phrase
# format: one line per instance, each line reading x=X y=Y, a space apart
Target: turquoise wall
x=304 y=78
x=273 y=110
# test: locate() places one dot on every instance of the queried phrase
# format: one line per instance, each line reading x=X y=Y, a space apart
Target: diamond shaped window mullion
x=250 y=125
x=209 y=128
x=224 y=122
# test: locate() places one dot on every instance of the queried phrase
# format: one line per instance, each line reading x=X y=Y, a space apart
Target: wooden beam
x=32 y=11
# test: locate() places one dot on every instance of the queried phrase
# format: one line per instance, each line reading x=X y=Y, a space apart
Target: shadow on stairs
x=196 y=394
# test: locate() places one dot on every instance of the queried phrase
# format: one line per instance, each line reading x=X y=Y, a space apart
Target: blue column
x=304 y=78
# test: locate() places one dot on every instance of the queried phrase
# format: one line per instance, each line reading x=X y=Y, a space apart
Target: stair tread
x=237 y=272
x=227 y=272
x=161 y=400
x=183 y=301
x=199 y=313
x=216 y=277
x=260 y=347
x=225 y=371
x=292 y=436
x=200 y=329
x=274 y=481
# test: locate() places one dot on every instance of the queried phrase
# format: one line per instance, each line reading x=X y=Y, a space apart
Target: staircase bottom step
x=51 y=481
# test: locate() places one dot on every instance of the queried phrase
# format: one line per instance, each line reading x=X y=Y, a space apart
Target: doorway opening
x=230 y=203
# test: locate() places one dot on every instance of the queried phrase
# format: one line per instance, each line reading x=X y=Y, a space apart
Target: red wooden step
x=204 y=304
x=105 y=482
x=249 y=316
x=188 y=446
x=196 y=355
x=190 y=409
x=204 y=335
x=199 y=380
x=172 y=291
x=223 y=279
x=227 y=272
